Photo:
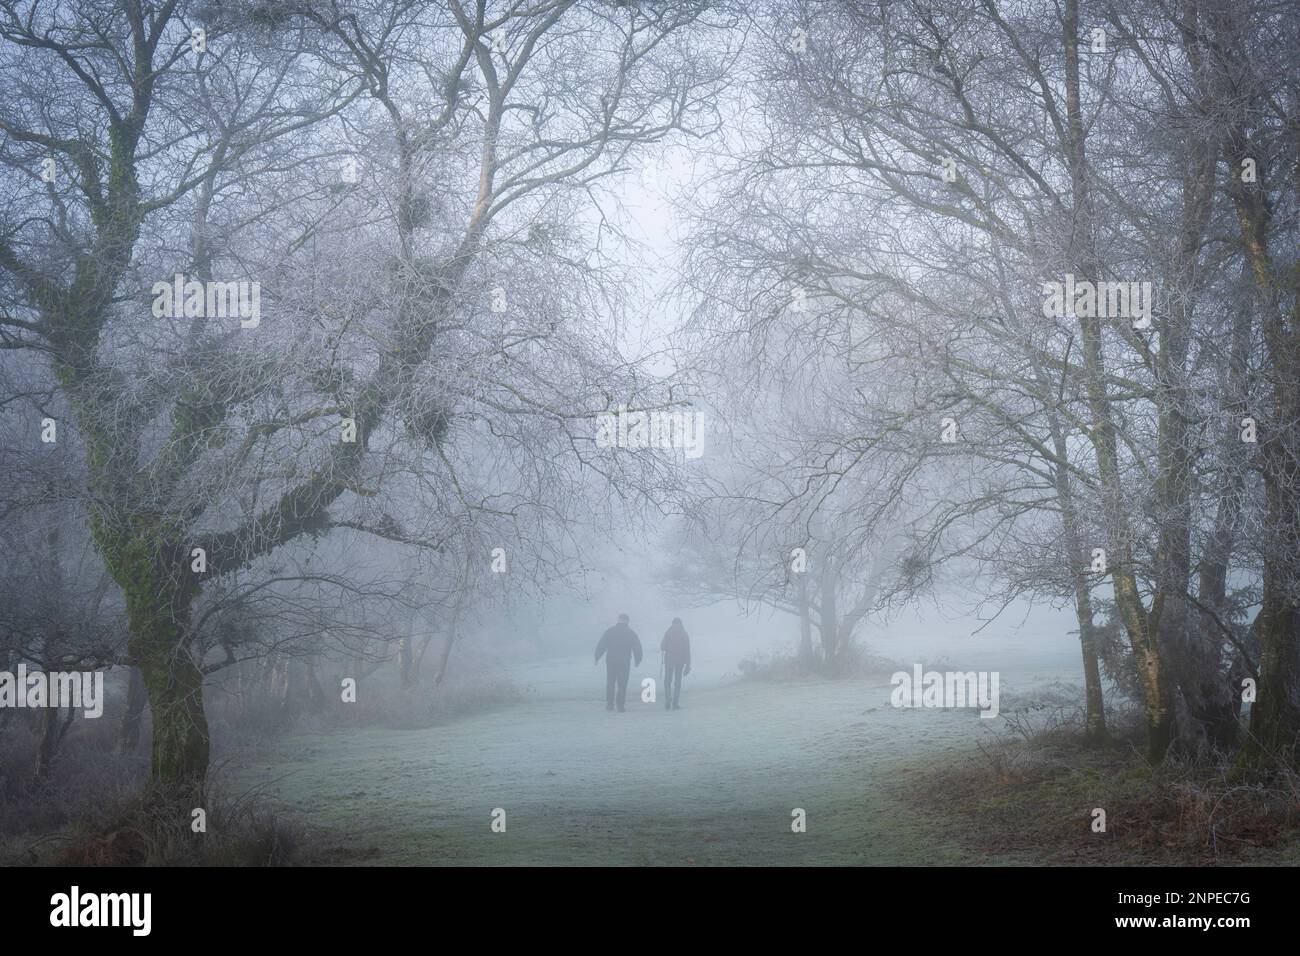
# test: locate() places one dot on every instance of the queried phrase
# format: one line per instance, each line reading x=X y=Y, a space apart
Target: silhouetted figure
x=618 y=645
x=676 y=646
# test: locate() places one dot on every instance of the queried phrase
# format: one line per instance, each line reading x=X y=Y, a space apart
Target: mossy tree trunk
x=136 y=698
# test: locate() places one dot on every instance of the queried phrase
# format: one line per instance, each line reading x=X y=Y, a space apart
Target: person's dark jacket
x=620 y=643
x=676 y=646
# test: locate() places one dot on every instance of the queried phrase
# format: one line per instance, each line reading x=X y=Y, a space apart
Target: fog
x=587 y=432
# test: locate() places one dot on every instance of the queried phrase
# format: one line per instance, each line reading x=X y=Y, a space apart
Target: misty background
x=312 y=317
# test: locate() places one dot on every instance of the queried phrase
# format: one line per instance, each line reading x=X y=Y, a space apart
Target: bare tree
x=205 y=464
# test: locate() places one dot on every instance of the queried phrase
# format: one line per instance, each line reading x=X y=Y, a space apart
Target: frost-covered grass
x=1037 y=797
x=713 y=783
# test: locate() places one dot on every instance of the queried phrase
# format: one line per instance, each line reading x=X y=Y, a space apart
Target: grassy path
x=713 y=783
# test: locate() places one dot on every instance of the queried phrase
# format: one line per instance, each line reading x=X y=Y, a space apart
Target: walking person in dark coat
x=676 y=647
x=618 y=646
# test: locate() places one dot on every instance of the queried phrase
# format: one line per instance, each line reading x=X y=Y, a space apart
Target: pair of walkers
x=619 y=645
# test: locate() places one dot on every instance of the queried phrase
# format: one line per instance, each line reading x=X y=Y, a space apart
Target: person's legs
x=677 y=684
x=668 y=687
x=622 y=688
x=611 y=676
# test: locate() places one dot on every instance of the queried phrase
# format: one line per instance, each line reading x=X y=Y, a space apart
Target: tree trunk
x=419 y=656
x=179 y=755
x=315 y=693
x=828 y=616
x=1220 y=693
x=49 y=741
x=453 y=631
x=805 y=625
x=406 y=659
x=1094 y=727
x=291 y=696
x=1157 y=697
x=129 y=733
x=174 y=683
x=1275 y=715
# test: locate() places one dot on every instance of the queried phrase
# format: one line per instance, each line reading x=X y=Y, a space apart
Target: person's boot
x=609 y=706
x=668 y=704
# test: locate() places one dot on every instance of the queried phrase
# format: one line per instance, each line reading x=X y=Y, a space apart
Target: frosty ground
x=714 y=783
